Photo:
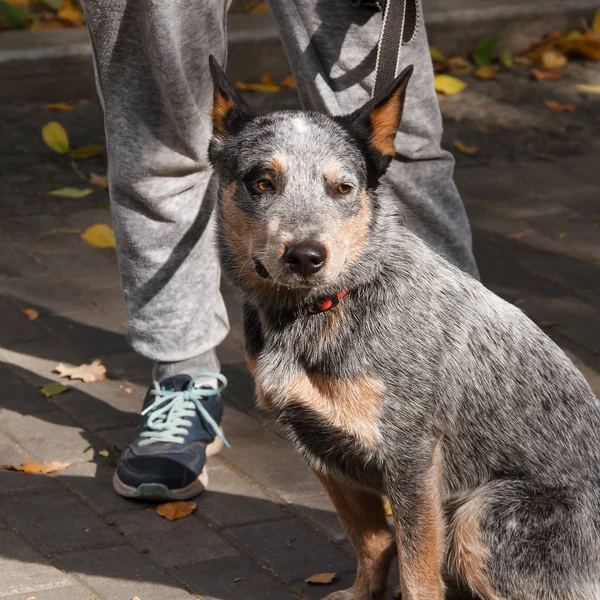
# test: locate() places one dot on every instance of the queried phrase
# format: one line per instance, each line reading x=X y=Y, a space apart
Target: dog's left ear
x=230 y=110
x=374 y=126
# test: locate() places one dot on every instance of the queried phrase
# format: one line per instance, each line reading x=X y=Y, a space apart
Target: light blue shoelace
x=171 y=411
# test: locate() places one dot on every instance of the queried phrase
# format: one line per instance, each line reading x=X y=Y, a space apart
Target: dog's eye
x=343 y=188
x=264 y=185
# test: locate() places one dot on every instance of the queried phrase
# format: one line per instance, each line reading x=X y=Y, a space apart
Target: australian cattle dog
x=394 y=373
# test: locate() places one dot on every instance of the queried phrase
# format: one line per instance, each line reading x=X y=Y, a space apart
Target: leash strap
x=398 y=27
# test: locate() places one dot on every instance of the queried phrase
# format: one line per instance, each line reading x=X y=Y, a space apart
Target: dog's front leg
x=416 y=497
x=363 y=518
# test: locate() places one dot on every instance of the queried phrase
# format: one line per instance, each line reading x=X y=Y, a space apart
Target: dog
x=394 y=373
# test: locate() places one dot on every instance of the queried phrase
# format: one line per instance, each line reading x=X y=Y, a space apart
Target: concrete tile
x=317 y=508
x=231 y=500
x=20 y=396
x=172 y=543
x=219 y=579
x=121 y=573
x=56 y=522
x=24 y=571
x=15 y=327
x=117 y=438
x=128 y=366
x=292 y=549
x=61 y=593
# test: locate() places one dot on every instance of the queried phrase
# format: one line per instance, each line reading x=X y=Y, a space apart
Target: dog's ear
x=230 y=110
x=374 y=126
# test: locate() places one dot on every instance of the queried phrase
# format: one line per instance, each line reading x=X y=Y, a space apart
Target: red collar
x=329 y=302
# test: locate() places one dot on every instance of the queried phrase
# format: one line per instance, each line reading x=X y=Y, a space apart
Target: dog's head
x=297 y=201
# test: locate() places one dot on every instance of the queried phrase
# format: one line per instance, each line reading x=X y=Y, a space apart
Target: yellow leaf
x=437 y=56
x=521 y=234
x=486 y=72
x=289 y=83
x=72 y=192
x=176 y=510
x=588 y=44
x=126 y=389
x=69 y=12
x=56 y=137
x=321 y=578
x=459 y=65
x=86 y=151
x=387 y=507
x=99 y=236
x=95 y=371
x=540 y=75
x=256 y=87
x=585 y=88
x=446 y=84
x=99 y=180
x=60 y=106
x=30 y=467
x=261 y=7
x=596 y=20
x=267 y=79
x=31 y=313
x=558 y=107
x=553 y=60
x=464 y=148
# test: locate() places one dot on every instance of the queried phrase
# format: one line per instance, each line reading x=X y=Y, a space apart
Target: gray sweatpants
x=151 y=61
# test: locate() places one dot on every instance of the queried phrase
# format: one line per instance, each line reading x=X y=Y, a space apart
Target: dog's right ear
x=230 y=111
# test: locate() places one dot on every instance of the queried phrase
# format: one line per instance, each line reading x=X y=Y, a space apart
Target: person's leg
x=332 y=48
x=151 y=59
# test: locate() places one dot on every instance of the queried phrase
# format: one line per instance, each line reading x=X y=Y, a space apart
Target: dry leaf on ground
x=56 y=137
x=387 y=507
x=483 y=129
x=321 y=578
x=60 y=106
x=86 y=151
x=256 y=87
x=459 y=65
x=521 y=234
x=540 y=75
x=72 y=192
x=596 y=20
x=464 y=148
x=506 y=58
x=31 y=313
x=558 y=107
x=95 y=371
x=99 y=180
x=267 y=79
x=99 y=236
x=289 y=83
x=126 y=389
x=585 y=88
x=486 y=72
x=53 y=389
x=553 y=60
x=71 y=13
x=261 y=7
x=176 y=510
x=30 y=467
x=446 y=84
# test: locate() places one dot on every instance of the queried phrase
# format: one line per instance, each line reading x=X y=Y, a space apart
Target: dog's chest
x=333 y=421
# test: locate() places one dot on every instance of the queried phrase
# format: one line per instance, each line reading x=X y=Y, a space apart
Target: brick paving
x=532 y=192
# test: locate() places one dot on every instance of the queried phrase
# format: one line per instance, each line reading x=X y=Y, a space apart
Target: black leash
x=399 y=26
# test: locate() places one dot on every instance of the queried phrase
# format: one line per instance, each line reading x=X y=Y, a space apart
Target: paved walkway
x=532 y=191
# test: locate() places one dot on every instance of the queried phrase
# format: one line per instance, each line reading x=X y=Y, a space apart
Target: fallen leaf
x=553 y=60
x=561 y=236
x=30 y=467
x=53 y=389
x=486 y=50
x=95 y=371
x=321 y=578
x=237 y=579
x=585 y=88
x=60 y=106
x=72 y=192
x=438 y=59
x=99 y=236
x=69 y=12
x=586 y=44
x=486 y=72
x=289 y=83
x=104 y=453
x=506 y=58
x=524 y=61
x=136 y=598
x=546 y=324
x=261 y=7
x=56 y=137
x=387 y=507
x=16 y=16
x=267 y=79
x=446 y=84
x=540 y=75
x=520 y=234
x=99 y=180
x=483 y=129
x=31 y=598
x=86 y=151
x=56 y=231
x=53 y=4
x=464 y=148
x=126 y=389
x=256 y=87
x=459 y=65
x=176 y=510
x=31 y=313
x=558 y=107
x=596 y=20
x=83 y=101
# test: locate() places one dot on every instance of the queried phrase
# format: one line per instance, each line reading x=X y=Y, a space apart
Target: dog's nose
x=306 y=258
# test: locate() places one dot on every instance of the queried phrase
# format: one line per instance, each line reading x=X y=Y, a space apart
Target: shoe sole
x=160 y=492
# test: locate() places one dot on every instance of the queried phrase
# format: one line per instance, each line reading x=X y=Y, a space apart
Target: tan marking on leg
x=420 y=570
x=468 y=553
x=278 y=163
x=221 y=107
x=362 y=516
x=384 y=124
x=350 y=406
x=354 y=233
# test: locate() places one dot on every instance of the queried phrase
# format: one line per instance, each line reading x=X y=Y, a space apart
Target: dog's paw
x=352 y=594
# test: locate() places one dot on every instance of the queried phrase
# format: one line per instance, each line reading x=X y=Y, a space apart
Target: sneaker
x=178 y=432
